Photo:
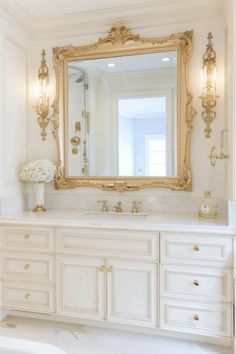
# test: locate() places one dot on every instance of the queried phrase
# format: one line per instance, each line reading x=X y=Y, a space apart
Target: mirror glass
x=121 y=115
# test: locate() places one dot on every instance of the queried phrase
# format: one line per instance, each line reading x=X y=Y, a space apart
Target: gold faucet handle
x=104 y=205
x=119 y=206
x=135 y=208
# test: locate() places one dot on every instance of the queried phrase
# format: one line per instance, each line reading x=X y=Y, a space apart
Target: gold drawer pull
x=196 y=248
x=26 y=266
x=27 y=296
x=26 y=237
x=196 y=282
x=196 y=317
x=101 y=268
x=109 y=269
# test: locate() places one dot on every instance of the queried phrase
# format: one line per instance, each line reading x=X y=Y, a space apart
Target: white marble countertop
x=150 y=222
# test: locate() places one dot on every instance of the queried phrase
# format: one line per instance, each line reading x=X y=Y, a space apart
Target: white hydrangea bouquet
x=38 y=172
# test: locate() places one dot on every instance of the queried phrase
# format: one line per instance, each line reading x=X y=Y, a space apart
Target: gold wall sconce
x=213 y=155
x=209 y=97
x=42 y=97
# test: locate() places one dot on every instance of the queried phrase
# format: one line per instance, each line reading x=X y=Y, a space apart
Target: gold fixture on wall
x=75 y=140
x=75 y=151
x=42 y=99
x=209 y=97
x=213 y=155
x=77 y=127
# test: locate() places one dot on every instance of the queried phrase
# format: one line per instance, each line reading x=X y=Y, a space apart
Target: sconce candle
x=209 y=97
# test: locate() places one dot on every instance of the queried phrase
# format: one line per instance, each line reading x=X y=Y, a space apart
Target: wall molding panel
x=15 y=46
x=142 y=15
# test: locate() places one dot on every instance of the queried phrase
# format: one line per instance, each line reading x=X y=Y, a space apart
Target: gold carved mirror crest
x=123 y=111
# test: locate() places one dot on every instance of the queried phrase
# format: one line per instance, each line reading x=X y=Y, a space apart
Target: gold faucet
x=104 y=205
x=117 y=208
x=135 y=206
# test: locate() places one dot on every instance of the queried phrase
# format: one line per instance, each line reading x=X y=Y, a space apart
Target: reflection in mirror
x=121 y=116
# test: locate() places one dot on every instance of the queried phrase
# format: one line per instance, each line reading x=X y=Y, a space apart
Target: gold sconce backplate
x=42 y=99
x=209 y=97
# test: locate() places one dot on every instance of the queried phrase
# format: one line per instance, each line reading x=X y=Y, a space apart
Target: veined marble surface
x=150 y=221
x=78 y=339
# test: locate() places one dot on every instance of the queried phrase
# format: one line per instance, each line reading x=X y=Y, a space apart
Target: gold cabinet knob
x=109 y=269
x=196 y=317
x=196 y=248
x=101 y=268
x=26 y=266
x=196 y=282
x=27 y=296
x=26 y=237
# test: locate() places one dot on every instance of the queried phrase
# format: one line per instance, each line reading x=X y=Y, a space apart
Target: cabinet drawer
x=37 y=239
x=197 y=318
x=196 y=249
x=37 y=268
x=196 y=283
x=129 y=244
x=25 y=297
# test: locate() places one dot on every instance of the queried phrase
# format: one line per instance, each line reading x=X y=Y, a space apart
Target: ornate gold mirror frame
x=120 y=41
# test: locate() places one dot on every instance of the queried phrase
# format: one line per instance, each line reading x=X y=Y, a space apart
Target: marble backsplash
x=87 y=201
x=149 y=202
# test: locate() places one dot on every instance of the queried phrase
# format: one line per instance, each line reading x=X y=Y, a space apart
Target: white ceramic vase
x=39 y=197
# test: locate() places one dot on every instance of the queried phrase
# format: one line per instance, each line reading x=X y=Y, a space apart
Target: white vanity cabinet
x=168 y=281
x=28 y=268
x=196 y=283
x=120 y=286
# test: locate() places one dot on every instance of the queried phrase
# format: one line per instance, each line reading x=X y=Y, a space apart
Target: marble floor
x=76 y=339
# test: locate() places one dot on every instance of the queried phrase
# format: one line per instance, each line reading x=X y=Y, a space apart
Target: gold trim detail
x=39 y=208
x=121 y=41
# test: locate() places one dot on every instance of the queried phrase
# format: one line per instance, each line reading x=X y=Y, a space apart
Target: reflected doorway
x=143 y=136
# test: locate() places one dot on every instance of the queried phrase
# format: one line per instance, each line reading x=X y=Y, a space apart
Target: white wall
x=14 y=65
x=230 y=15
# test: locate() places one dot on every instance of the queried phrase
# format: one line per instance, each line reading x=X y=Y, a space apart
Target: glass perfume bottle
x=208 y=207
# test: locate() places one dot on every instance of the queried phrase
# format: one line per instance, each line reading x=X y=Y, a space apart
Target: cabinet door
x=132 y=292
x=81 y=287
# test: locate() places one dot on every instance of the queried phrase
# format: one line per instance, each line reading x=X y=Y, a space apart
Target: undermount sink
x=103 y=216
